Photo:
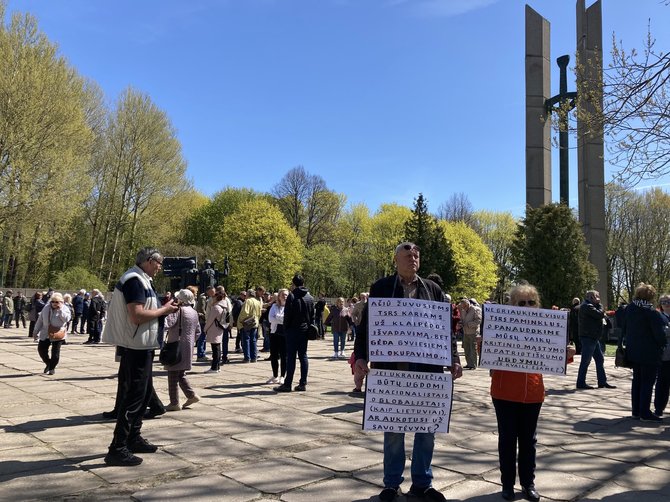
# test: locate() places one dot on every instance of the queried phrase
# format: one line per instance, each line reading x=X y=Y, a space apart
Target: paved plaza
x=243 y=442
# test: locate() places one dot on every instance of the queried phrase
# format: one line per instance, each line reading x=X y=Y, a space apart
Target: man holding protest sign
x=406 y=283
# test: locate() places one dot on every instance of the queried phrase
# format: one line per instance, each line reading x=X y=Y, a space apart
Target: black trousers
x=278 y=352
x=43 y=351
x=662 y=386
x=75 y=322
x=216 y=355
x=517 y=425
x=155 y=403
x=135 y=382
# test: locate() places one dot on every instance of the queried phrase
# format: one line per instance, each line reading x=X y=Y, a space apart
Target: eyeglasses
x=160 y=262
x=55 y=302
x=665 y=302
x=523 y=303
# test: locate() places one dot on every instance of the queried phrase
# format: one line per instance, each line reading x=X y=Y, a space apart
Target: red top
x=517 y=387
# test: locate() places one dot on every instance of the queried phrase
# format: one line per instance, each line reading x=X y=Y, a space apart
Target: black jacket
x=299 y=311
x=390 y=287
x=591 y=320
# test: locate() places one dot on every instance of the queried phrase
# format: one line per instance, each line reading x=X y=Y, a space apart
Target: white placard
x=407 y=401
x=409 y=330
x=524 y=339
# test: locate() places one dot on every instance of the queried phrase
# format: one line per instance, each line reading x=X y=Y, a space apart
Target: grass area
x=610 y=348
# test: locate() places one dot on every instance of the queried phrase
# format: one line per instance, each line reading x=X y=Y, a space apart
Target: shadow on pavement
x=12 y=469
x=50 y=423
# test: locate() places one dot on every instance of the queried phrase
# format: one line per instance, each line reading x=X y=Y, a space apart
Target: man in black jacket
x=405 y=283
x=591 y=318
x=298 y=315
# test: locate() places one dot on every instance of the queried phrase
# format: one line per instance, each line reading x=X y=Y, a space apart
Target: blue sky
x=382 y=98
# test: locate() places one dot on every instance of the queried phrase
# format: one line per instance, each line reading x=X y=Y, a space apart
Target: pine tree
x=549 y=251
x=436 y=254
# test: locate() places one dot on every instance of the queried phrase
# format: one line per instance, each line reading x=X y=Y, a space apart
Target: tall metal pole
x=563 y=138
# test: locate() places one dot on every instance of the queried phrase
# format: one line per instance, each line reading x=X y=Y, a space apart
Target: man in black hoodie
x=298 y=315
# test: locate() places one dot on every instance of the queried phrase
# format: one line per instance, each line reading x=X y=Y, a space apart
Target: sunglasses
x=523 y=303
x=411 y=247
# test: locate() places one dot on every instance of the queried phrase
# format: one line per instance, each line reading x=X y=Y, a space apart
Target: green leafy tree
x=45 y=142
x=261 y=246
x=497 y=230
x=387 y=231
x=208 y=220
x=436 y=253
x=75 y=278
x=474 y=263
x=549 y=251
x=322 y=266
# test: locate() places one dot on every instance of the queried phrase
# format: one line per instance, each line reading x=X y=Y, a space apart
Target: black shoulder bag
x=170 y=353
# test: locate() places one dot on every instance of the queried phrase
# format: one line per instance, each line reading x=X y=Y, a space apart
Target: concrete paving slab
x=276 y=437
x=153 y=464
x=48 y=483
x=613 y=492
x=660 y=461
x=212 y=488
x=340 y=458
x=375 y=475
x=643 y=477
x=463 y=461
x=287 y=474
x=628 y=450
x=333 y=490
x=212 y=450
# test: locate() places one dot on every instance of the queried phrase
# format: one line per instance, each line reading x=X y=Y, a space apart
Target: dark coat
x=644 y=334
x=591 y=320
x=299 y=311
x=78 y=304
x=390 y=287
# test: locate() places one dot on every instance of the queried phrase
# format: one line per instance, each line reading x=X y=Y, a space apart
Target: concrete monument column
x=538 y=121
x=590 y=143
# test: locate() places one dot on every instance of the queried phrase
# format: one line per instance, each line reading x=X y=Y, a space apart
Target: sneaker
x=109 y=414
x=335 y=355
x=141 y=445
x=300 y=388
x=191 y=400
x=211 y=370
x=273 y=379
x=281 y=380
x=203 y=359
x=658 y=413
x=388 y=494
x=122 y=457
x=173 y=407
x=429 y=493
x=341 y=355
x=282 y=388
x=52 y=372
x=651 y=418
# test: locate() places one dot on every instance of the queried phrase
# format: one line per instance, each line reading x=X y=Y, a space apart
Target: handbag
x=312 y=332
x=170 y=353
x=620 y=357
x=249 y=323
x=55 y=333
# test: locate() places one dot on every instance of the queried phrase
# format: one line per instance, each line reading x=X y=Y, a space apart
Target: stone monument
x=590 y=163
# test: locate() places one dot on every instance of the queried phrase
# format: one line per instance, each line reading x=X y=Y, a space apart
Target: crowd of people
x=139 y=322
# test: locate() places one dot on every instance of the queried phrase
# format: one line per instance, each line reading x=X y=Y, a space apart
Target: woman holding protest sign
x=517 y=398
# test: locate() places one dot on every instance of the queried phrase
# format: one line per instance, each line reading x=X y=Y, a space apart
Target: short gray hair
x=146 y=254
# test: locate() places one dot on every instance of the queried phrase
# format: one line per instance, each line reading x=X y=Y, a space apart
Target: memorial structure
x=590 y=144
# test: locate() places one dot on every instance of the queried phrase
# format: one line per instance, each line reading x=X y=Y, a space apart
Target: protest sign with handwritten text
x=409 y=330
x=407 y=401
x=524 y=339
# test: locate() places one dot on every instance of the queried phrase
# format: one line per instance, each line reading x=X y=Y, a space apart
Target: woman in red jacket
x=517 y=398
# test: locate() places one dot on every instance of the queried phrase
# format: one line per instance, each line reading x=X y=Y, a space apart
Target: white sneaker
x=335 y=355
x=281 y=380
x=210 y=370
x=341 y=355
x=273 y=380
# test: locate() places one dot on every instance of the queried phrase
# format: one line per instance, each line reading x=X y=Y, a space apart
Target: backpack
x=223 y=321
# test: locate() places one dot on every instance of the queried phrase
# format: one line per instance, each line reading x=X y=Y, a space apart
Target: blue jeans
x=394 y=459
x=339 y=339
x=201 y=344
x=7 y=318
x=249 y=344
x=591 y=350
x=296 y=343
